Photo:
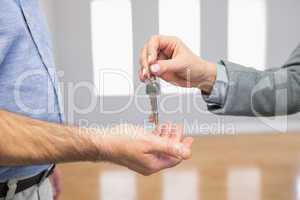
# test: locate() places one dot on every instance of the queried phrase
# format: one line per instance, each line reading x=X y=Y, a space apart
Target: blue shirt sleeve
x=218 y=94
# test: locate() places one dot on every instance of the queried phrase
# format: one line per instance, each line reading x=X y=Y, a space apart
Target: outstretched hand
x=148 y=152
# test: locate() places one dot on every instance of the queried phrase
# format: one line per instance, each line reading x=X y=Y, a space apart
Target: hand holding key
x=170 y=59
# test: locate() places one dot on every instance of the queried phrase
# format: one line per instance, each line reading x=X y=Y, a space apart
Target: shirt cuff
x=219 y=91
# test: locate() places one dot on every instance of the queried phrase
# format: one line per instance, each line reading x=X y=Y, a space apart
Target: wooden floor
x=264 y=167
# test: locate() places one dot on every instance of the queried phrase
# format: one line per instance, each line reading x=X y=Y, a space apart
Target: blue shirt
x=28 y=82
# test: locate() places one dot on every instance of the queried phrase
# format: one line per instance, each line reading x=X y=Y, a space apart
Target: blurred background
x=94 y=39
x=97 y=44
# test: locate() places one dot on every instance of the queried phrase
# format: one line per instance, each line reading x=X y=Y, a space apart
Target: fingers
x=170 y=148
x=165 y=162
x=171 y=131
x=177 y=133
x=151 y=118
x=165 y=148
x=165 y=130
x=157 y=48
x=144 y=70
x=153 y=49
x=164 y=44
x=148 y=56
x=163 y=66
x=187 y=142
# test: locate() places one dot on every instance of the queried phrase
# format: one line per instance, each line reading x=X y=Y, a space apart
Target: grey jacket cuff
x=216 y=99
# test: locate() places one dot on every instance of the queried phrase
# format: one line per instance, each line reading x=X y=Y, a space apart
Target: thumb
x=171 y=148
x=187 y=142
x=163 y=66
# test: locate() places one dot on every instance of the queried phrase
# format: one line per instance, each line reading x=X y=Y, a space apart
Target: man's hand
x=126 y=145
x=55 y=180
x=168 y=58
x=147 y=153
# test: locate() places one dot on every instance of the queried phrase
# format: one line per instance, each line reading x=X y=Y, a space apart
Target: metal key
x=153 y=90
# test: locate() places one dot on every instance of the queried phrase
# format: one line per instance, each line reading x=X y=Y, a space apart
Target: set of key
x=153 y=91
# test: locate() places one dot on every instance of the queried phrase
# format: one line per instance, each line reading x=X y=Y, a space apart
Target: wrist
x=110 y=144
x=94 y=144
x=208 y=79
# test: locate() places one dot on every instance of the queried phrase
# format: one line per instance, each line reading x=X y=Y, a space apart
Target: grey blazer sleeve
x=262 y=93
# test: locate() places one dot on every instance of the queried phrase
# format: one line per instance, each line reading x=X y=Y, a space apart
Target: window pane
x=247 y=32
x=182 y=19
x=175 y=181
x=112 y=46
x=244 y=184
x=298 y=188
x=118 y=185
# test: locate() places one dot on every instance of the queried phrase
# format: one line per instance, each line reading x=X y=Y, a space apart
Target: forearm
x=261 y=93
x=28 y=141
x=254 y=93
